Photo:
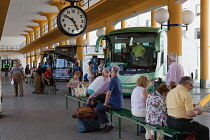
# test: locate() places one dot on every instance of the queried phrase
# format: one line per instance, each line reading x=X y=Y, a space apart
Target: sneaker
x=74 y=116
x=21 y=95
x=107 y=128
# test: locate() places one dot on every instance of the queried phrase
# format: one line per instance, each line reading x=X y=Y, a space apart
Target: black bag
x=100 y=98
x=88 y=125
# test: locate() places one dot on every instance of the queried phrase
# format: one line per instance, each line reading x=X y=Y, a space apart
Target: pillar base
x=204 y=83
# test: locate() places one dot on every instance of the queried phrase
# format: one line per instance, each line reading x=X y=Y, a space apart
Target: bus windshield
x=61 y=64
x=136 y=51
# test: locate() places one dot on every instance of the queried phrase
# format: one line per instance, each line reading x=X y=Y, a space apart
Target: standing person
x=90 y=72
x=156 y=112
x=101 y=67
x=139 y=97
x=175 y=71
x=27 y=72
x=114 y=100
x=17 y=75
x=40 y=65
x=77 y=67
x=6 y=70
x=181 y=112
x=44 y=65
x=69 y=70
x=37 y=78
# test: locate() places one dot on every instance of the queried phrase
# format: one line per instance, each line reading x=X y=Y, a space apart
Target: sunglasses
x=191 y=86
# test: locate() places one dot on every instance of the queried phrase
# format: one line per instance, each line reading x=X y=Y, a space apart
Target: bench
x=127 y=115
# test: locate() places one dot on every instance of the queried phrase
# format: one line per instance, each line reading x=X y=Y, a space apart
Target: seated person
x=156 y=112
x=139 y=97
x=74 y=82
x=101 y=90
x=114 y=100
x=181 y=112
x=138 y=50
x=48 y=75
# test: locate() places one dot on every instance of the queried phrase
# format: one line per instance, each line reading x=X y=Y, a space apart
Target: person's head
x=186 y=82
x=143 y=81
x=101 y=61
x=77 y=73
x=105 y=73
x=27 y=65
x=40 y=64
x=115 y=70
x=16 y=64
x=171 y=58
x=33 y=67
x=90 y=63
x=163 y=89
x=76 y=64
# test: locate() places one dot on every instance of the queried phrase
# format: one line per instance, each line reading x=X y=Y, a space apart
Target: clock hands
x=72 y=21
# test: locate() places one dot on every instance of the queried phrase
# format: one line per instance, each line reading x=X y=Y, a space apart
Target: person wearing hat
x=37 y=78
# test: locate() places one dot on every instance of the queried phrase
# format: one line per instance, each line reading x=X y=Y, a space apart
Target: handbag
x=88 y=125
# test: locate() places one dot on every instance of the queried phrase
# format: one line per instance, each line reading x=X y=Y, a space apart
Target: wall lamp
x=162 y=15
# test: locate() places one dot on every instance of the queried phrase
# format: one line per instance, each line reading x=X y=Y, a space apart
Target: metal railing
x=45 y=29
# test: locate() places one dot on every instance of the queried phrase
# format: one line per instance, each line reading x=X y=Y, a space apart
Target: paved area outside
x=44 y=117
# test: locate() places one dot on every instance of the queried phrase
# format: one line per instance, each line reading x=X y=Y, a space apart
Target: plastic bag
x=96 y=84
x=12 y=82
x=80 y=91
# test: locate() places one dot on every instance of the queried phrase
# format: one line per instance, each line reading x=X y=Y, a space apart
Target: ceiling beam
x=3 y=14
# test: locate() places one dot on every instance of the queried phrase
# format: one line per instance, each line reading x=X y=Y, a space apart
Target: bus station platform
x=45 y=117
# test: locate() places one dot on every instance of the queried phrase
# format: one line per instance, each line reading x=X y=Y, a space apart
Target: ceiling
x=21 y=13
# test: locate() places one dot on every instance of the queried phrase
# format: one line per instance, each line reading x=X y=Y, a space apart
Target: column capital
x=30 y=32
x=26 y=35
x=40 y=22
x=58 y=4
x=49 y=15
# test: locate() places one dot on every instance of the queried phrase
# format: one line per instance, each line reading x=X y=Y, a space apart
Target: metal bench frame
x=126 y=114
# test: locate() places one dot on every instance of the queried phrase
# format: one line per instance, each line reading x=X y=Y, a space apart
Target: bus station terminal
x=104 y=69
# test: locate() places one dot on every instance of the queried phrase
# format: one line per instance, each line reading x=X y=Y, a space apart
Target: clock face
x=72 y=21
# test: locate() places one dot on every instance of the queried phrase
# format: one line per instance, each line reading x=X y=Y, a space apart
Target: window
x=197 y=33
x=147 y=22
x=197 y=10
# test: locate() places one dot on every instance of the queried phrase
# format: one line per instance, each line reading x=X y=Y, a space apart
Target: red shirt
x=47 y=74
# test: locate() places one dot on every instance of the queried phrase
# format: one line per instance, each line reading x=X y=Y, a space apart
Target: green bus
x=137 y=51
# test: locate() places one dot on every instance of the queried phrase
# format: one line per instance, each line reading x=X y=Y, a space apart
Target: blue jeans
x=101 y=112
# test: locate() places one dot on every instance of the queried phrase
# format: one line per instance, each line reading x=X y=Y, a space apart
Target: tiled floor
x=44 y=117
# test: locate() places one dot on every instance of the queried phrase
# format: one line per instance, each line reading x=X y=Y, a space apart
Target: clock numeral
x=68 y=29
x=64 y=25
x=81 y=25
x=63 y=20
x=73 y=11
x=78 y=12
x=72 y=30
x=68 y=12
x=82 y=21
x=80 y=16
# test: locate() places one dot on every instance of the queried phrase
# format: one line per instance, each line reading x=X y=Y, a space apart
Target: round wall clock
x=72 y=21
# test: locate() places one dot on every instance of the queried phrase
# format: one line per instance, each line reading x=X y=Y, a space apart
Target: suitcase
x=85 y=112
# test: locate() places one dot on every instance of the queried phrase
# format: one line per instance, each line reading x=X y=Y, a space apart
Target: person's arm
x=107 y=98
x=45 y=78
x=143 y=52
x=91 y=70
x=23 y=76
x=68 y=85
x=189 y=107
x=193 y=113
x=172 y=84
x=11 y=73
x=145 y=94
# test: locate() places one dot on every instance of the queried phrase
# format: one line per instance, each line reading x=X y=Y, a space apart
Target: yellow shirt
x=178 y=101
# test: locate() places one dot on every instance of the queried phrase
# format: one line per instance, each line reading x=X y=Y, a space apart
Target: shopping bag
x=12 y=82
x=80 y=91
x=88 y=125
x=95 y=85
